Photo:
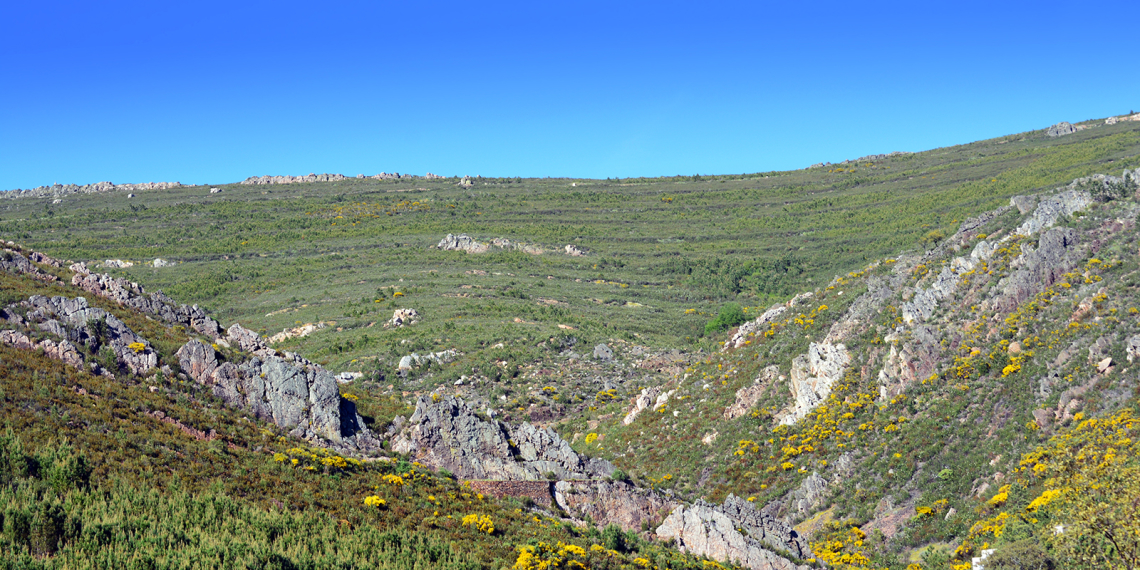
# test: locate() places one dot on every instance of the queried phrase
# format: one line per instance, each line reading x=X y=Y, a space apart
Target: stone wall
x=540 y=491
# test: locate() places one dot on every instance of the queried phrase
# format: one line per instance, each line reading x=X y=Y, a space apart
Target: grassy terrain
x=664 y=253
x=665 y=256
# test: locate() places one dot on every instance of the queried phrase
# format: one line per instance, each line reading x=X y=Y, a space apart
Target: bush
x=731 y=314
x=613 y=538
x=1020 y=555
x=619 y=475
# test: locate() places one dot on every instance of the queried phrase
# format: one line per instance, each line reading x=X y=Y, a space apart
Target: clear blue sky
x=212 y=92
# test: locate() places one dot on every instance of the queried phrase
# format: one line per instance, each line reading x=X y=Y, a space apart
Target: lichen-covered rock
x=94 y=327
x=612 y=502
x=703 y=529
x=198 y=360
x=447 y=434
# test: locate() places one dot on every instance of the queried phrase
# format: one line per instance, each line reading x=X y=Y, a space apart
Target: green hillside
x=938 y=371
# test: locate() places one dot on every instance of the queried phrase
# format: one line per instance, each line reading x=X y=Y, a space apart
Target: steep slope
x=900 y=398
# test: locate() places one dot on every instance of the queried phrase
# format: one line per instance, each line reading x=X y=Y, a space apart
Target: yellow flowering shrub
x=482 y=523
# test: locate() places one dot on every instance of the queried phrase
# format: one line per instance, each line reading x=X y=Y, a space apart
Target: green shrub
x=731 y=314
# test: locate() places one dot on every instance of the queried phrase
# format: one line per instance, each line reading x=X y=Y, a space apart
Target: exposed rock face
x=409 y=361
x=75 y=321
x=612 y=502
x=1057 y=252
x=747 y=396
x=909 y=360
x=57 y=190
x=655 y=397
x=63 y=351
x=304 y=399
x=1024 y=204
x=1052 y=208
x=402 y=317
x=448 y=435
x=1061 y=129
x=812 y=376
x=131 y=294
x=751 y=328
x=704 y=529
x=159 y=262
x=13 y=261
x=462 y=242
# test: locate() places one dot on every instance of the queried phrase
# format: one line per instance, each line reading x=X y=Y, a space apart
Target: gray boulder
x=1061 y=129
x=603 y=353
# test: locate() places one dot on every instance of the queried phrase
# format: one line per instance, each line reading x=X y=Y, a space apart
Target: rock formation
x=447 y=434
x=704 y=529
x=812 y=377
x=403 y=317
x=58 y=190
x=747 y=396
x=131 y=294
x=462 y=242
x=1061 y=129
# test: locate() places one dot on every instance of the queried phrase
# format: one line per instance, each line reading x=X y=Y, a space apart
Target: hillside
x=909 y=359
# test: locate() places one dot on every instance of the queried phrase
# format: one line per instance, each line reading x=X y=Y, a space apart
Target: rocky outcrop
x=656 y=397
x=747 y=396
x=131 y=294
x=260 y=180
x=63 y=350
x=757 y=326
x=1052 y=208
x=301 y=398
x=296 y=332
x=612 y=502
x=1057 y=252
x=604 y=353
x=59 y=190
x=74 y=322
x=413 y=360
x=447 y=434
x=462 y=242
x=705 y=529
x=403 y=317
x=1061 y=129
x=1132 y=347
x=573 y=250
x=13 y=261
x=812 y=377
x=911 y=357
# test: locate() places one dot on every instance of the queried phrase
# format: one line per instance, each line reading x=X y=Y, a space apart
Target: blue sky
x=213 y=92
